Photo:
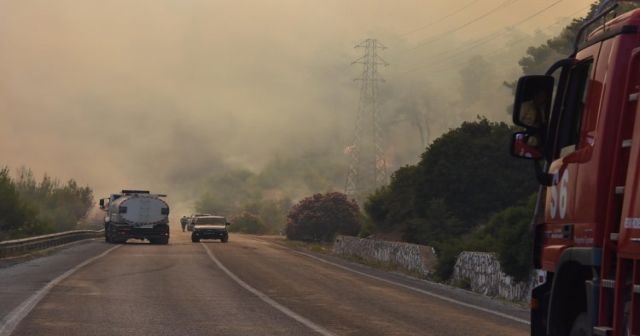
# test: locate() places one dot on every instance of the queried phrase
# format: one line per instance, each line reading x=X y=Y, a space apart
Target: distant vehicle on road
x=191 y=219
x=210 y=227
x=135 y=214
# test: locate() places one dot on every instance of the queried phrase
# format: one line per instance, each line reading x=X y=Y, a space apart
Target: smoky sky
x=159 y=94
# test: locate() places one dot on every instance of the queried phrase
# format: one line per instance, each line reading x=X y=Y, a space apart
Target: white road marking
x=421 y=291
x=320 y=330
x=11 y=321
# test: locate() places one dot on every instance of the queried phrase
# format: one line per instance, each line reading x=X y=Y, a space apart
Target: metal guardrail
x=10 y=248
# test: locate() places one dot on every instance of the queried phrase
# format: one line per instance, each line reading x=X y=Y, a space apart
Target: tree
x=50 y=206
x=14 y=213
x=392 y=205
x=438 y=225
x=538 y=59
x=470 y=169
x=273 y=213
x=464 y=177
x=227 y=192
x=321 y=216
x=508 y=233
x=248 y=223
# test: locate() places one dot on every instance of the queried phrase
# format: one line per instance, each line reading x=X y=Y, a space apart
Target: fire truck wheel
x=581 y=326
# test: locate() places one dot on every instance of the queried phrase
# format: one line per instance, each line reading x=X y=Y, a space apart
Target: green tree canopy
x=321 y=216
x=539 y=58
x=29 y=207
x=248 y=223
x=470 y=169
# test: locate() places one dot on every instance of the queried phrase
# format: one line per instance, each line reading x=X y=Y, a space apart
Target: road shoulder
x=516 y=311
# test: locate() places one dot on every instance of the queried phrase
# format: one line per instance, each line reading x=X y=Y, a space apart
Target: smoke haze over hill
x=159 y=94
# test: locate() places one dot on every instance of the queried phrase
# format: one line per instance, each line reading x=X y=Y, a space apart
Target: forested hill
x=29 y=207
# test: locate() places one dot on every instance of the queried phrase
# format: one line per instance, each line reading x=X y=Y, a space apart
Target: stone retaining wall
x=482 y=272
x=478 y=271
x=415 y=258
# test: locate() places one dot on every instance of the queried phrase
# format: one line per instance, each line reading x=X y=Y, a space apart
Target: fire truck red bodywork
x=587 y=226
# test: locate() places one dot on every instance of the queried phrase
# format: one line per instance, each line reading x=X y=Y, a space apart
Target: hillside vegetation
x=29 y=207
x=260 y=202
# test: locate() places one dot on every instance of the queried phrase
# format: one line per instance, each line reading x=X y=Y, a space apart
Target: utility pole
x=367 y=167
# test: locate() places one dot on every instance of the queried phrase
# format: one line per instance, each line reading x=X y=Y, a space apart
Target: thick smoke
x=159 y=94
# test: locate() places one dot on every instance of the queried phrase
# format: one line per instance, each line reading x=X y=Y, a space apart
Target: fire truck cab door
x=573 y=146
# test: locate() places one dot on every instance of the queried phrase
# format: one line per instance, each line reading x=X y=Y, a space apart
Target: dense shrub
x=15 y=214
x=447 y=253
x=508 y=233
x=272 y=213
x=462 y=179
x=391 y=206
x=28 y=207
x=268 y=193
x=322 y=216
x=248 y=223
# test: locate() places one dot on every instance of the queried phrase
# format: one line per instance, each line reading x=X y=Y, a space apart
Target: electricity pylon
x=367 y=167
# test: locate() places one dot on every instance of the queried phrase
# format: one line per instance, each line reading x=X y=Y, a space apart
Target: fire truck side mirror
x=524 y=146
x=533 y=101
x=102 y=203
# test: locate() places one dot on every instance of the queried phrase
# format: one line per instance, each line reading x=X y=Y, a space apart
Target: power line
x=491 y=36
x=461 y=61
x=501 y=6
x=441 y=19
x=494 y=53
x=580 y=10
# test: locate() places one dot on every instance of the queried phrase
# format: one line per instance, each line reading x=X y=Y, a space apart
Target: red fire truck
x=582 y=130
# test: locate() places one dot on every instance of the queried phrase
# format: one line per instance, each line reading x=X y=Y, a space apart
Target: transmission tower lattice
x=368 y=167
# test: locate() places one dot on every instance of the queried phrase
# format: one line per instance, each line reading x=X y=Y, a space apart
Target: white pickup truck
x=210 y=227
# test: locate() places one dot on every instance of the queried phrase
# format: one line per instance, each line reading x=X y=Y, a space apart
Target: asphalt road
x=249 y=286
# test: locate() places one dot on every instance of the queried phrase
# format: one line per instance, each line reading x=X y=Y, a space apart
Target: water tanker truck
x=135 y=214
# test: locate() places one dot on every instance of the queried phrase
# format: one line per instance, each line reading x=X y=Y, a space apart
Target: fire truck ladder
x=620 y=277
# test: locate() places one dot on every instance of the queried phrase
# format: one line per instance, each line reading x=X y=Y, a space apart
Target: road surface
x=249 y=286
